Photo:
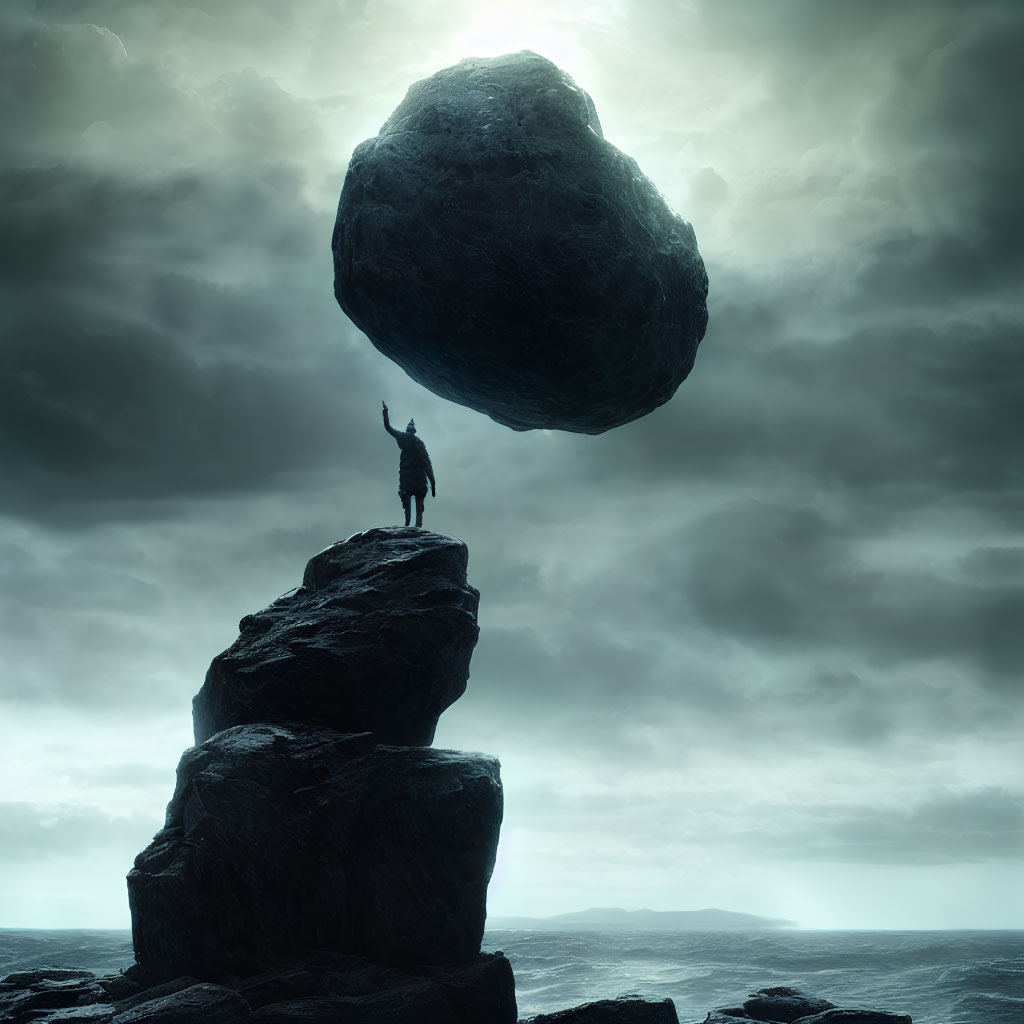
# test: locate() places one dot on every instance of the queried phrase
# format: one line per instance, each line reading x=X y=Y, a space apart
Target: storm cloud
x=759 y=649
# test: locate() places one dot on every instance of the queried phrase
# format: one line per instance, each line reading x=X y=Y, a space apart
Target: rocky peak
x=378 y=638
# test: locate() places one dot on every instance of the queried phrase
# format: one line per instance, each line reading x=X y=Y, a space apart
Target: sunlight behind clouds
x=550 y=30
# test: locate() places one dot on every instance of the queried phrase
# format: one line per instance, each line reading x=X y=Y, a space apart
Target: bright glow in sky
x=495 y=29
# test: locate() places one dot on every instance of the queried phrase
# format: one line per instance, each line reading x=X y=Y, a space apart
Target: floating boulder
x=377 y=639
x=279 y=841
x=508 y=257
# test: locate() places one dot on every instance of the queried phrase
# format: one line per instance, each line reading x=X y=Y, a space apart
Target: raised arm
x=387 y=422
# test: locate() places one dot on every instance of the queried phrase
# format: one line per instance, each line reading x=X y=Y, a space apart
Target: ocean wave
x=936 y=977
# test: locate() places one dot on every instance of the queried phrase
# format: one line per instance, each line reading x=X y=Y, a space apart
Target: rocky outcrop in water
x=330 y=988
x=784 y=1005
x=492 y=243
x=623 y=1010
x=779 y=1005
x=311 y=818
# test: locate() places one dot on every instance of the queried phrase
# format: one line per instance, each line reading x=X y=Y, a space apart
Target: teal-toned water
x=936 y=977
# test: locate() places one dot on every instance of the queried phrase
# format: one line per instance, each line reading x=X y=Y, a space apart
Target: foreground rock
x=784 y=1005
x=624 y=1010
x=282 y=840
x=323 y=988
x=377 y=639
x=331 y=988
x=492 y=243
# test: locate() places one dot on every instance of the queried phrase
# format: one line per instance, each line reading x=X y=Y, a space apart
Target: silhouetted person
x=414 y=469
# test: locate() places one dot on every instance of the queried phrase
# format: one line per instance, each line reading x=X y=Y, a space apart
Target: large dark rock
x=482 y=990
x=783 y=1004
x=377 y=639
x=325 y=987
x=202 y=1003
x=406 y=999
x=492 y=243
x=29 y=995
x=279 y=841
x=624 y=1010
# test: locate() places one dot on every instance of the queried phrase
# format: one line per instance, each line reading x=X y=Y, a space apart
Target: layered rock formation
x=311 y=817
x=492 y=243
x=318 y=861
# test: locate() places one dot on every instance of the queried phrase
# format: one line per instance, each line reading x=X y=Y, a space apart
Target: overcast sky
x=761 y=650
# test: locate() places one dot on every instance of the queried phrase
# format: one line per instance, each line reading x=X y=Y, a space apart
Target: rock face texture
x=377 y=639
x=325 y=988
x=280 y=840
x=783 y=1004
x=492 y=243
x=331 y=988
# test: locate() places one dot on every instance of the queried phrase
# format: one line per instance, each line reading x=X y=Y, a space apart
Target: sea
x=949 y=977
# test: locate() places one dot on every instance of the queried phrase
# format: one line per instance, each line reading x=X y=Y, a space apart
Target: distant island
x=617 y=919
